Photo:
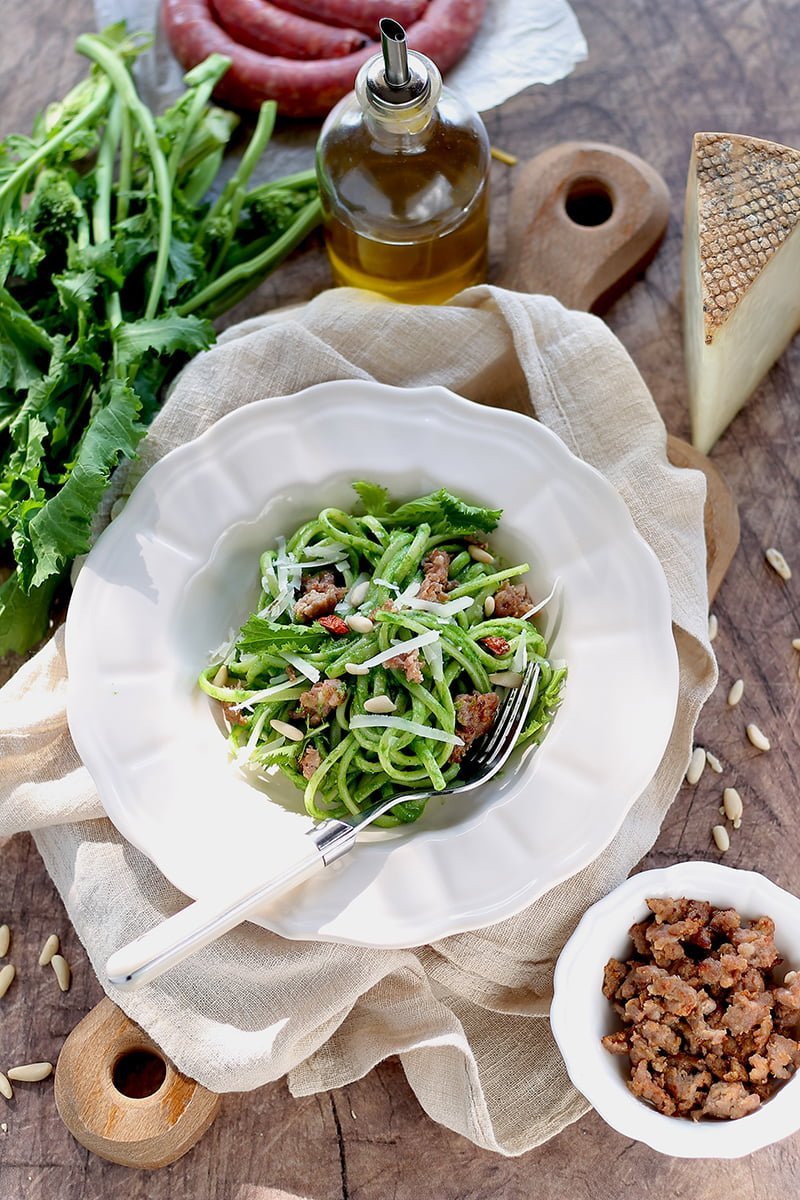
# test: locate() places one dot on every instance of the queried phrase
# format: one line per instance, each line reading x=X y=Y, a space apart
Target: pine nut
x=796 y=643
x=5 y=940
x=758 y=739
x=713 y=762
x=720 y=835
x=221 y=677
x=359 y=593
x=713 y=627
x=48 y=950
x=488 y=606
x=61 y=968
x=31 y=1072
x=480 y=555
x=5 y=1087
x=696 y=766
x=6 y=978
x=356 y=669
x=359 y=623
x=736 y=693
x=732 y=804
x=509 y=679
x=778 y=563
x=288 y=731
x=379 y=704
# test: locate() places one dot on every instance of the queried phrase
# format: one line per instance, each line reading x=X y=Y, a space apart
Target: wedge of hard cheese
x=741 y=272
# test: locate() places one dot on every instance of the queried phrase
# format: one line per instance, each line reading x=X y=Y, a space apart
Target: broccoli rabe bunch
x=113 y=260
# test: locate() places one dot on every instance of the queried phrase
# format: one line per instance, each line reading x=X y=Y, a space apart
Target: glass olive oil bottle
x=403 y=169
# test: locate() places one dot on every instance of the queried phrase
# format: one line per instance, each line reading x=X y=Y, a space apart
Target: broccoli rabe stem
x=125 y=166
x=215 y=66
x=215 y=298
x=241 y=177
x=117 y=72
x=101 y=208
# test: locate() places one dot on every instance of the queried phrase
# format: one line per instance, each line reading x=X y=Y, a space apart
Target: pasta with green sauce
x=380 y=649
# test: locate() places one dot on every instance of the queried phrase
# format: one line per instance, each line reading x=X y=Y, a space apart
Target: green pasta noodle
x=376 y=638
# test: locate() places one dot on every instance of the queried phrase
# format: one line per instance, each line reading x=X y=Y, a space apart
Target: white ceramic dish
x=178 y=568
x=580 y=1014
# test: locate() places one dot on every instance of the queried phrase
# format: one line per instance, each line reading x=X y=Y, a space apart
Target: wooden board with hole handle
x=585 y=219
x=584 y=265
x=120 y=1097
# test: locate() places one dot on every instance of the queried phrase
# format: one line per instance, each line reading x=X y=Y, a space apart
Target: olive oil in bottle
x=403 y=166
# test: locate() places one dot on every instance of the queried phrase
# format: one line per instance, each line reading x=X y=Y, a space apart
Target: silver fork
x=203 y=921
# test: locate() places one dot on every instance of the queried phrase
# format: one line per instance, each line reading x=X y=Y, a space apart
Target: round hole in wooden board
x=589 y=202
x=139 y=1074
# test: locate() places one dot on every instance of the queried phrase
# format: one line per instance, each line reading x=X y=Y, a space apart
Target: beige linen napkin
x=468 y=1015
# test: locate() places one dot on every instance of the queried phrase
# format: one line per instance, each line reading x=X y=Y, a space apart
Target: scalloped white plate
x=178 y=568
x=580 y=1014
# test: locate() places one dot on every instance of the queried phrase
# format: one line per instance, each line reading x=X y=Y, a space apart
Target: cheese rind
x=741 y=272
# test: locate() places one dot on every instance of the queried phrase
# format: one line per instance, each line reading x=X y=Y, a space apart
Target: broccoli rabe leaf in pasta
x=373 y=496
x=445 y=512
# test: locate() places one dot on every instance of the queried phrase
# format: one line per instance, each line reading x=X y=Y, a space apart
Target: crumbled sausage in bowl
x=677 y=1010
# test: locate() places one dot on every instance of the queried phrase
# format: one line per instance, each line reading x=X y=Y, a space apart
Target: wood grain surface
x=656 y=74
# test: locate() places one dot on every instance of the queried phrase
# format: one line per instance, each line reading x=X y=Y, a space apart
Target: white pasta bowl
x=178 y=569
x=580 y=1014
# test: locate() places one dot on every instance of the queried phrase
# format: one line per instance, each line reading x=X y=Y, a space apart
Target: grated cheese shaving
x=538 y=607
x=435 y=659
x=368 y=721
x=396 y=648
x=305 y=668
x=442 y=609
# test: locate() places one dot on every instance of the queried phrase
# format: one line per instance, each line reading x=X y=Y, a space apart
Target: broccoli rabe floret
x=54 y=207
x=269 y=211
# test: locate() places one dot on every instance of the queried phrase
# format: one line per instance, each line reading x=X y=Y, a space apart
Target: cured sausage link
x=310 y=88
x=272 y=30
x=361 y=14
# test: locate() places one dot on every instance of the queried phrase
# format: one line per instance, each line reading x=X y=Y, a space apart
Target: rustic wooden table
x=656 y=73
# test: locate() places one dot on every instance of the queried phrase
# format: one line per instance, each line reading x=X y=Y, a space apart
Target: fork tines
x=513 y=714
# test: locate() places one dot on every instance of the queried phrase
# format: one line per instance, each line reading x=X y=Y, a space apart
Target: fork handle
x=203 y=921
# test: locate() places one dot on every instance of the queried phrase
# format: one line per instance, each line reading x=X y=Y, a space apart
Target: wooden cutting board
x=585 y=220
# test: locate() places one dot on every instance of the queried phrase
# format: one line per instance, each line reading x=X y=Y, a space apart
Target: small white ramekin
x=580 y=1014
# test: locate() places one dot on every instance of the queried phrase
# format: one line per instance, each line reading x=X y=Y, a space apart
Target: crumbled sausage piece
x=643 y=1085
x=319 y=595
x=788 y=998
x=730 y=1100
x=729 y=1070
x=745 y=1013
x=725 y=921
x=309 y=760
x=435 y=568
x=638 y=935
x=707 y=1031
x=613 y=974
x=780 y=1059
x=723 y=972
x=409 y=664
x=756 y=944
x=233 y=715
x=512 y=600
x=679 y=997
x=475 y=714
x=321 y=699
x=685 y=1083
x=616 y=1043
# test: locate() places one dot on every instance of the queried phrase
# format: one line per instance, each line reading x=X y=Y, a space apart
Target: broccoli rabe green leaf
x=445 y=512
x=373 y=496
